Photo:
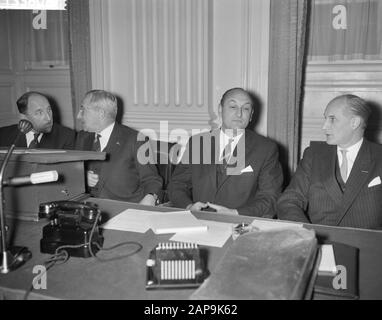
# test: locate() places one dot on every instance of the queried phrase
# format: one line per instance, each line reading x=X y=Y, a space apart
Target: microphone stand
x=15 y=256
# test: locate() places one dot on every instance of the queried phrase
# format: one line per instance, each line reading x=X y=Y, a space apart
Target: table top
x=81 y=278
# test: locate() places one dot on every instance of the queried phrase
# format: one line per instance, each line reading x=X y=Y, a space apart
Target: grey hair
x=104 y=100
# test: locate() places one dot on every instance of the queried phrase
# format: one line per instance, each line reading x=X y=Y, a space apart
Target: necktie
x=227 y=152
x=344 y=165
x=34 y=142
x=96 y=143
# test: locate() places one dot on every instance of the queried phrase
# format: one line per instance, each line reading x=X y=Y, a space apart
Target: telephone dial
x=70 y=225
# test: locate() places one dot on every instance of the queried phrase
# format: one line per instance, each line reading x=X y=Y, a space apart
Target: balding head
x=355 y=105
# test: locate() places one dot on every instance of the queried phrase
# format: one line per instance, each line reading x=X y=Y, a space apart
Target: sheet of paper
x=176 y=222
x=327 y=263
x=130 y=220
x=216 y=235
x=264 y=225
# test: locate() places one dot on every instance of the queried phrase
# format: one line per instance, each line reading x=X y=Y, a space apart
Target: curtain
x=79 y=51
x=346 y=30
x=286 y=68
x=46 y=47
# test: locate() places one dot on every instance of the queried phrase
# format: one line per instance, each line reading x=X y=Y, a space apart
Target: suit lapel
x=359 y=175
x=112 y=148
x=327 y=172
x=237 y=171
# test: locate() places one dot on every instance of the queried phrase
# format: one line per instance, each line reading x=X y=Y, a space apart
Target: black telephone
x=71 y=225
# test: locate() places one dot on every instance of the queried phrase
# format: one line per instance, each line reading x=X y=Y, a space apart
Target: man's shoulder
x=125 y=128
x=10 y=128
x=376 y=149
x=255 y=139
x=63 y=130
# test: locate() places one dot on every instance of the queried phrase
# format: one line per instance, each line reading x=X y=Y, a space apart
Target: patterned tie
x=227 y=152
x=96 y=143
x=34 y=143
x=344 y=165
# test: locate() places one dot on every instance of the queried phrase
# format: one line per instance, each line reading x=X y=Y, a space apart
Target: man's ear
x=22 y=116
x=356 y=122
x=102 y=113
x=220 y=109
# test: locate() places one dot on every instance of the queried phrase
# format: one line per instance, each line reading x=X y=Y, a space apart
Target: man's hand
x=92 y=178
x=222 y=209
x=148 y=200
x=197 y=206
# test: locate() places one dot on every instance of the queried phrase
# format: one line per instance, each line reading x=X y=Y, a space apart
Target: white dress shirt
x=105 y=135
x=224 y=140
x=351 y=155
x=30 y=137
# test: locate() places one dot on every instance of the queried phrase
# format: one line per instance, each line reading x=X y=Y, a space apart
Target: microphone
x=12 y=257
x=24 y=127
x=34 y=178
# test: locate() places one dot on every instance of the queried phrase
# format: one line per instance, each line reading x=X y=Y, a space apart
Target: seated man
x=338 y=183
x=123 y=175
x=229 y=170
x=35 y=107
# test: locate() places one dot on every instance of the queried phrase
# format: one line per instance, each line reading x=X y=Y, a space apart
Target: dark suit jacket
x=121 y=175
x=251 y=193
x=59 y=138
x=314 y=194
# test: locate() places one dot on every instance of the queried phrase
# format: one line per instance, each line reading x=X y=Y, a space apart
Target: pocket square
x=247 y=169
x=374 y=182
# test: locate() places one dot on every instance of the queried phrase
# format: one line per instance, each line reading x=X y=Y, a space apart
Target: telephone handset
x=68 y=209
x=71 y=224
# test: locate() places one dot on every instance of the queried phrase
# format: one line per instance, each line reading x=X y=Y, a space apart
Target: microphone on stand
x=14 y=257
x=34 y=178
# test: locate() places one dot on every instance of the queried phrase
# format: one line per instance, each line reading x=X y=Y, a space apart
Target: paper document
x=327 y=263
x=174 y=222
x=130 y=220
x=264 y=225
x=216 y=235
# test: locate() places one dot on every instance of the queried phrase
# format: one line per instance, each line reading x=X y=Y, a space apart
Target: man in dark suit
x=126 y=174
x=35 y=107
x=229 y=170
x=338 y=183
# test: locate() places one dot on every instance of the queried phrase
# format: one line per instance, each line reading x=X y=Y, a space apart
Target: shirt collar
x=224 y=138
x=105 y=135
x=107 y=131
x=352 y=151
x=30 y=136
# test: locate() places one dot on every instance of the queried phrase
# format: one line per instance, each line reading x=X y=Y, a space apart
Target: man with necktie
x=338 y=183
x=231 y=170
x=35 y=107
x=123 y=175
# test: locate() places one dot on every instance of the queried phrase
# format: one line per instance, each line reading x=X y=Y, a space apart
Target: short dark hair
x=229 y=91
x=22 y=102
x=356 y=106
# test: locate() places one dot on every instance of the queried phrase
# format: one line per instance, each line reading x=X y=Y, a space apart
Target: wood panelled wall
x=324 y=81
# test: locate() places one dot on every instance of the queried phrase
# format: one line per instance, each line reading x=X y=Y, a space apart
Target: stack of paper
x=216 y=235
x=130 y=220
x=178 y=221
